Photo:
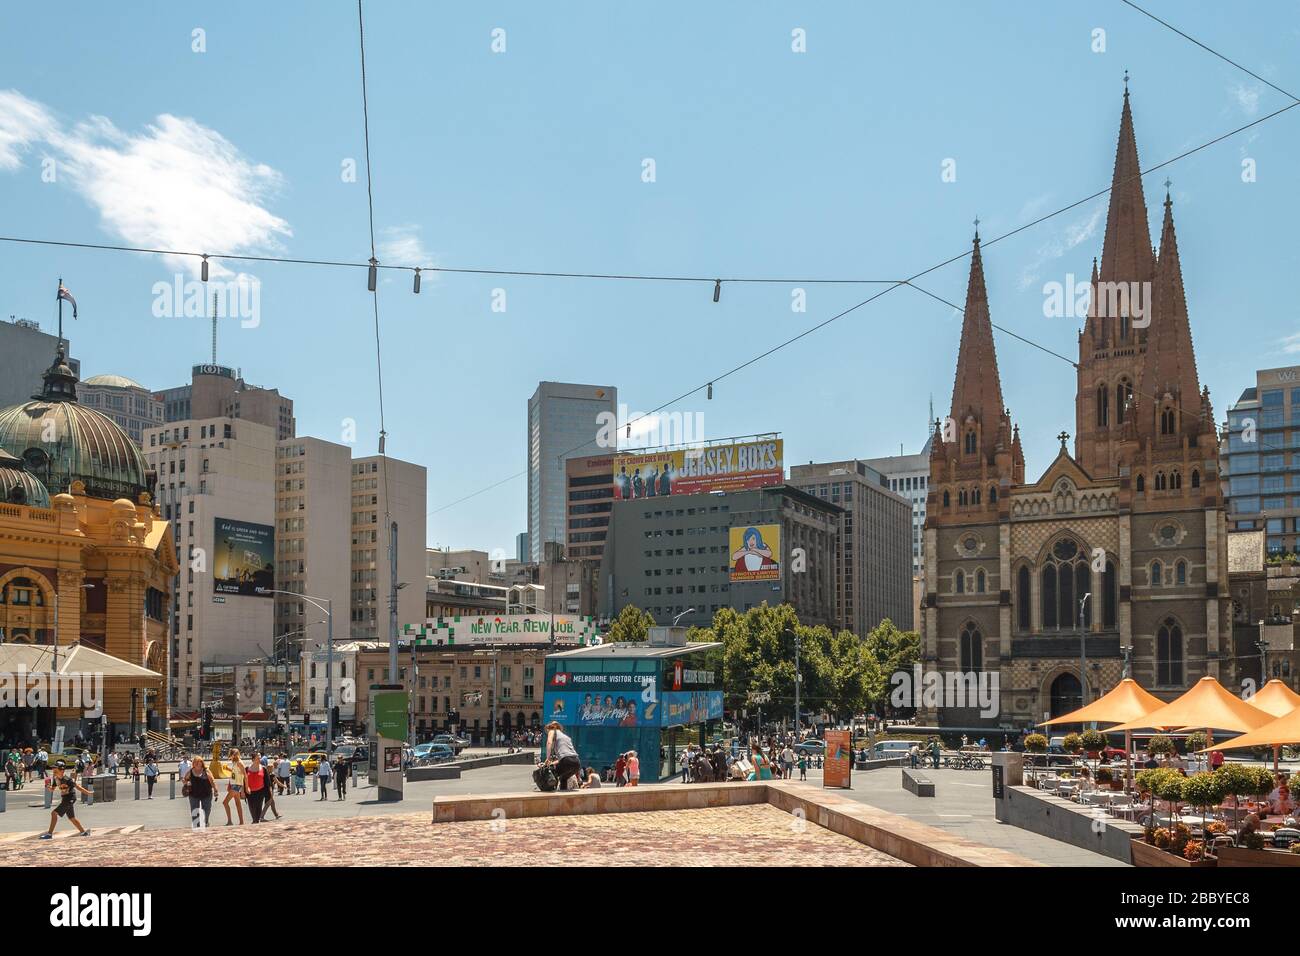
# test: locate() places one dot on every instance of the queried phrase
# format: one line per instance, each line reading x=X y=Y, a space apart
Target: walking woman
x=150 y=772
x=270 y=791
x=199 y=787
x=323 y=777
x=255 y=787
x=300 y=777
x=235 y=788
x=341 y=770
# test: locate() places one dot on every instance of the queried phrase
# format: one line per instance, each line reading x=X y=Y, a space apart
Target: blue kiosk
x=654 y=697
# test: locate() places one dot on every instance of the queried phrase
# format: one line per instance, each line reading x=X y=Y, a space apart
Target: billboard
x=250 y=687
x=755 y=552
x=681 y=707
x=504 y=629
x=732 y=467
x=243 y=558
x=593 y=709
x=838 y=768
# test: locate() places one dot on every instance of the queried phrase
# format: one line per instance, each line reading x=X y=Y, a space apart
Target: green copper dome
x=60 y=442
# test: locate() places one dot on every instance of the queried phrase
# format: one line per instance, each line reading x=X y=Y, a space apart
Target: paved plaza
x=963 y=806
x=758 y=835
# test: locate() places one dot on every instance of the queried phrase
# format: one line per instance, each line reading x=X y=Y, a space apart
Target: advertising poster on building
x=601 y=700
x=244 y=558
x=732 y=467
x=838 y=768
x=691 y=707
x=250 y=687
x=755 y=552
x=504 y=629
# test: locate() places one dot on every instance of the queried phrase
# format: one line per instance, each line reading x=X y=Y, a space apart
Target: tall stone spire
x=977 y=390
x=1126 y=249
x=1170 y=366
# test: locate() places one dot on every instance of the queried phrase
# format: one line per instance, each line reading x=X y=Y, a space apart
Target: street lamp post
x=1083 y=650
x=328 y=609
x=797 y=681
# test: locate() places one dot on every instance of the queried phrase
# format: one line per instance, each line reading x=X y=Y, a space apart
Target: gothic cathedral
x=1121 y=543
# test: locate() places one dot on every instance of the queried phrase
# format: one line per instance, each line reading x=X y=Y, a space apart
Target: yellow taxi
x=310 y=759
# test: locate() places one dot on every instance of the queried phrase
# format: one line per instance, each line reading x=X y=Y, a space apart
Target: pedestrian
x=341 y=768
x=633 y=768
x=150 y=773
x=235 y=788
x=255 y=787
x=934 y=753
x=198 y=786
x=270 y=807
x=620 y=770
x=561 y=753
x=300 y=777
x=183 y=765
x=42 y=762
x=282 y=772
x=787 y=761
x=66 y=788
x=803 y=766
x=110 y=762
x=323 y=775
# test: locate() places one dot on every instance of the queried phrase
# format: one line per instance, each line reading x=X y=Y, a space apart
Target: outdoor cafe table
x=1194 y=821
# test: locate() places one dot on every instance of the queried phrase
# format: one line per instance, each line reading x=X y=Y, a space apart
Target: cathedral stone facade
x=1132 y=517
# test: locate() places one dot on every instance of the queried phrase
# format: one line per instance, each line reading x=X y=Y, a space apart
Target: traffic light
x=334 y=719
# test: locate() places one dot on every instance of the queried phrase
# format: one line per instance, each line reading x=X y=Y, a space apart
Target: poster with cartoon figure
x=755 y=553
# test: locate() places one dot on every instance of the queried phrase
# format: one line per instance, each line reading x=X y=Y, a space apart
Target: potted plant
x=1036 y=744
x=1161 y=746
x=1196 y=741
x=1106 y=778
x=1094 y=742
x=1203 y=791
x=1072 y=744
x=1236 y=781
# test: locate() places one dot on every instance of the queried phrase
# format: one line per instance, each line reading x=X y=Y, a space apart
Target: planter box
x=1144 y=854
x=1240 y=856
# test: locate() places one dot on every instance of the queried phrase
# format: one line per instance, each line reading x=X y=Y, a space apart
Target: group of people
x=256 y=784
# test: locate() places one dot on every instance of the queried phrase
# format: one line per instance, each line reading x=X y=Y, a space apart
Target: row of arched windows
x=975 y=584
x=1169 y=482
x=1123 y=395
x=970 y=496
x=1064 y=578
x=1156 y=573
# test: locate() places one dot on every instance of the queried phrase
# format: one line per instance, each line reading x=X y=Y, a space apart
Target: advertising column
x=388 y=728
x=837 y=770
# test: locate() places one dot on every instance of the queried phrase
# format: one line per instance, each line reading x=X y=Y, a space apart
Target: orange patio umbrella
x=1207 y=704
x=1275 y=698
x=1278 y=699
x=1126 y=701
x=1278 y=731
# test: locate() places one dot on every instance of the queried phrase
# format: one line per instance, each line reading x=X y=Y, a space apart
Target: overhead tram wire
x=1209 y=49
x=910 y=282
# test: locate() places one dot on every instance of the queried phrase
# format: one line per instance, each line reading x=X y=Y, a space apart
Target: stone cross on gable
x=1064 y=437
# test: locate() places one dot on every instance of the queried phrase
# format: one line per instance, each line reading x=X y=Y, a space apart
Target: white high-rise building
x=563 y=422
x=216 y=485
x=383 y=491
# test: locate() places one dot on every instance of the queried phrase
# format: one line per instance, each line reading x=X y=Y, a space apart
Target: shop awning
x=1126 y=701
x=73 y=659
x=1207 y=704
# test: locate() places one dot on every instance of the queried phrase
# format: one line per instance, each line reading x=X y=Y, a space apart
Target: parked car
x=436 y=752
x=310 y=759
x=352 y=753
x=885 y=749
x=811 y=747
x=457 y=744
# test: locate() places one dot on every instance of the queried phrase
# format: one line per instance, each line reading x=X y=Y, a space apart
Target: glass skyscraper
x=1262 y=459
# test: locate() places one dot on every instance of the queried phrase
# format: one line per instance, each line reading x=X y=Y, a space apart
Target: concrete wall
x=1058 y=818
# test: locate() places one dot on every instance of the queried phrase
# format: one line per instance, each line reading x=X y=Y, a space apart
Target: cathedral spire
x=1125 y=253
x=977 y=390
x=1170 y=366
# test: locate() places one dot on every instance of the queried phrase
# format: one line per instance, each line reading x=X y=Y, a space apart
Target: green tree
x=632 y=624
x=894 y=651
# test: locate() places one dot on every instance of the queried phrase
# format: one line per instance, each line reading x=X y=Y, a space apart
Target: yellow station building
x=85 y=561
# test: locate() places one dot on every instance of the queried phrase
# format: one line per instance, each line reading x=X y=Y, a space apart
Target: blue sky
x=768 y=163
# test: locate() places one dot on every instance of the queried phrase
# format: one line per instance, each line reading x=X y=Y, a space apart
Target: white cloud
x=1290 y=344
x=22 y=122
x=1247 y=98
x=1074 y=234
x=401 y=246
x=175 y=185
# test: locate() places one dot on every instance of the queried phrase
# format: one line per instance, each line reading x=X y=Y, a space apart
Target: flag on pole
x=65 y=294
